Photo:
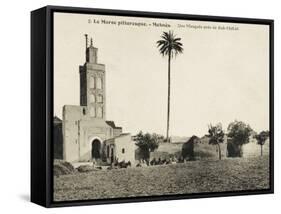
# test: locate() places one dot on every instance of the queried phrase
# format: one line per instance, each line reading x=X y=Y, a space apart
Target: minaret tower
x=92 y=83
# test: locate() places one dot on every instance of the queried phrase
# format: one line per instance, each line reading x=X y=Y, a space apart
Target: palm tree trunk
x=169 y=85
x=261 y=150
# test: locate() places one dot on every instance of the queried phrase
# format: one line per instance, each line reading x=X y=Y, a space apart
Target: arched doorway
x=96 y=149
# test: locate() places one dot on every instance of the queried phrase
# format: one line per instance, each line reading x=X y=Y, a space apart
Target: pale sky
x=222 y=75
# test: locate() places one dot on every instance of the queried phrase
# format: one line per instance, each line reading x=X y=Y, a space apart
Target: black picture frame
x=42 y=103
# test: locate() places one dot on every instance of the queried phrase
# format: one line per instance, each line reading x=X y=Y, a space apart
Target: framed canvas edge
x=38 y=153
x=49 y=102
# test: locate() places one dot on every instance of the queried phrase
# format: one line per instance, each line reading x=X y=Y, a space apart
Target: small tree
x=216 y=136
x=261 y=138
x=147 y=143
x=239 y=132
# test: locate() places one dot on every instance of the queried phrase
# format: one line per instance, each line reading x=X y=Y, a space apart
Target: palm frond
x=169 y=44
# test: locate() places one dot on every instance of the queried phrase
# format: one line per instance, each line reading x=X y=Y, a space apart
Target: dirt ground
x=191 y=177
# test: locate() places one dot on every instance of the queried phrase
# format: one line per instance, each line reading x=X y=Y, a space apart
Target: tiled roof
x=112 y=124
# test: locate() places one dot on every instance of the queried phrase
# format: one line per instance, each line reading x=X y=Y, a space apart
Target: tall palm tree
x=169 y=46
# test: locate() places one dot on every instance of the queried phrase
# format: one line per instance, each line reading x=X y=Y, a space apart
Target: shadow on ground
x=24 y=197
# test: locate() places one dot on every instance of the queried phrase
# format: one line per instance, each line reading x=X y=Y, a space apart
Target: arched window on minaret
x=100 y=98
x=92 y=82
x=92 y=98
x=99 y=83
x=92 y=111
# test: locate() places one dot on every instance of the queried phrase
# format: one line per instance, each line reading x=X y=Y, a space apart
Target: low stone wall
x=204 y=151
x=167 y=150
x=252 y=149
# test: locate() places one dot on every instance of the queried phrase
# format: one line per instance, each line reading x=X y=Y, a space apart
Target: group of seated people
x=172 y=160
x=159 y=161
x=144 y=163
x=121 y=164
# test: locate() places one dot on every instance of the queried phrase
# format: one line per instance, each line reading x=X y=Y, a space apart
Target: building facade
x=117 y=149
x=84 y=128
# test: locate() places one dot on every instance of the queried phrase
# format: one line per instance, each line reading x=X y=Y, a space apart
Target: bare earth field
x=191 y=177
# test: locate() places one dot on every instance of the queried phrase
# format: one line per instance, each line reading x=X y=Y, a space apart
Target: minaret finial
x=86 y=37
x=91 y=42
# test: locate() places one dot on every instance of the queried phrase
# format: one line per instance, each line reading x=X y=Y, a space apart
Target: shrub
x=147 y=143
x=239 y=134
x=234 y=150
x=188 y=148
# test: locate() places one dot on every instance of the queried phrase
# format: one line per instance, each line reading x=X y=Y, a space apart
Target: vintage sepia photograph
x=149 y=107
